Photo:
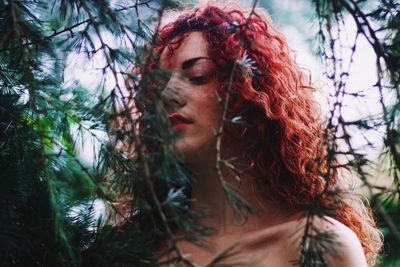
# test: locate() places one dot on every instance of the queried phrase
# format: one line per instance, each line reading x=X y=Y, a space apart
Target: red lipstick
x=178 y=121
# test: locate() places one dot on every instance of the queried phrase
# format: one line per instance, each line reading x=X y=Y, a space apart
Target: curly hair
x=283 y=139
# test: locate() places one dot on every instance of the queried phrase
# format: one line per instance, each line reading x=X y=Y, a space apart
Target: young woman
x=243 y=114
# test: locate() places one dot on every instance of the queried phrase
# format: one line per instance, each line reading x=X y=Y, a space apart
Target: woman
x=244 y=119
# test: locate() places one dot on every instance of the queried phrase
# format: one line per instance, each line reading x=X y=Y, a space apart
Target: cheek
x=210 y=110
x=215 y=117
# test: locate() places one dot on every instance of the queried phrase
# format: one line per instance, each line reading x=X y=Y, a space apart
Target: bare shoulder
x=280 y=245
x=338 y=244
x=349 y=248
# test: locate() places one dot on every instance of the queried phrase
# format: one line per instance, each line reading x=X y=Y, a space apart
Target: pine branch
x=72 y=27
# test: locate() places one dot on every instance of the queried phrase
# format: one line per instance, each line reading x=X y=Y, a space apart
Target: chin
x=195 y=156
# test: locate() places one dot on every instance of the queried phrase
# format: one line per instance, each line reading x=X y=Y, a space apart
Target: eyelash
x=198 y=79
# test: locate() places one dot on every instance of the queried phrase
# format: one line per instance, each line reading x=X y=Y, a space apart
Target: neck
x=207 y=191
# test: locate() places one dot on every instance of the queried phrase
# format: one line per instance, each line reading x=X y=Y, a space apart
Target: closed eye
x=198 y=80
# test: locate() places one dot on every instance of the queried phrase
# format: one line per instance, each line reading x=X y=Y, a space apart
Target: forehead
x=192 y=46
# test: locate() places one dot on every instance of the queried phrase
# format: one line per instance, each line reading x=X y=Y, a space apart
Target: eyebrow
x=190 y=62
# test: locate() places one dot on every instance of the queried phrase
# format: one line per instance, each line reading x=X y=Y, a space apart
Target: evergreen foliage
x=47 y=192
x=377 y=22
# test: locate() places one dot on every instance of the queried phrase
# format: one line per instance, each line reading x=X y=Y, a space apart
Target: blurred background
x=63 y=65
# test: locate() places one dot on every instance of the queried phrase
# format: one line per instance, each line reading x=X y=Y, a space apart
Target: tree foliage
x=48 y=193
x=377 y=22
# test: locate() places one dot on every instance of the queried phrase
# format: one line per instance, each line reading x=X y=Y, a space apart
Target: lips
x=178 y=121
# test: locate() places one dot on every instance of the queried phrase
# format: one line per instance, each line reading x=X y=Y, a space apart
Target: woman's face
x=191 y=102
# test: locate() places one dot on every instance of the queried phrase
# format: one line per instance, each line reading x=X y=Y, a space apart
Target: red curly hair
x=284 y=143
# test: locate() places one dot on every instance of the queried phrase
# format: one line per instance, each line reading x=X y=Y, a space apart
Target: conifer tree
x=47 y=192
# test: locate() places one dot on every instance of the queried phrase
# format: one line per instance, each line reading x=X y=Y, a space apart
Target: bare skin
x=271 y=238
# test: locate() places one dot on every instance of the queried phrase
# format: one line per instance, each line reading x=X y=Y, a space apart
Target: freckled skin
x=191 y=93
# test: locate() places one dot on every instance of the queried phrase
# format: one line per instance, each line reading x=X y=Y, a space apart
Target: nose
x=171 y=97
